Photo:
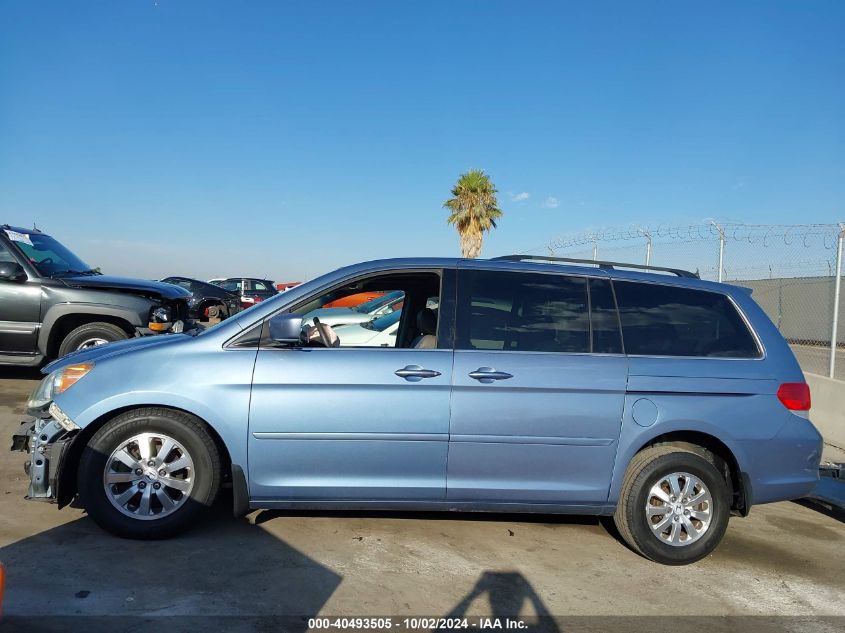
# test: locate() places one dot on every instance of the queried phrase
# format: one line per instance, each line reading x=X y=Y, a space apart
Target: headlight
x=160 y=314
x=55 y=383
x=160 y=319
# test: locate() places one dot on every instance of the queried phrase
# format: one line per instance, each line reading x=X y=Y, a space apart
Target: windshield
x=375 y=304
x=48 y=255
x=383 y=322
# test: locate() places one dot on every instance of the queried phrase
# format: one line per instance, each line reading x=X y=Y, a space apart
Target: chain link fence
x=794 y=271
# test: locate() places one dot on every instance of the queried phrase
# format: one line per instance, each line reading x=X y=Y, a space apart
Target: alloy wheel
x=679 y=509
x=149 y=476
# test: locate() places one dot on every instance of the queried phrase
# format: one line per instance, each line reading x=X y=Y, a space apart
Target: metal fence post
x=836 y=289
x=647 y=248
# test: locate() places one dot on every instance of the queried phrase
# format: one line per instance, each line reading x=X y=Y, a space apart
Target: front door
x=20 y=312
x=539 y=388
x=354 y=422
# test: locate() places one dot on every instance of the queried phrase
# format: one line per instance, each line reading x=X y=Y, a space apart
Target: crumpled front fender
x=47 y=443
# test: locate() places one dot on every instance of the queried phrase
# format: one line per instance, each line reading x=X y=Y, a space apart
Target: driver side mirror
x=12 y=271
x=286 y=328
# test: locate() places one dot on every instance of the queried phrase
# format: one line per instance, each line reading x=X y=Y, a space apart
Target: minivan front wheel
x=674 y=505
x=149 y=473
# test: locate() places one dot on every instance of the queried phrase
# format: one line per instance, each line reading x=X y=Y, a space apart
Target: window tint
x=232 y=285
x=606 y=336
x=522 y=312
x=663 y=320
x=5 y=255
x=178 y=281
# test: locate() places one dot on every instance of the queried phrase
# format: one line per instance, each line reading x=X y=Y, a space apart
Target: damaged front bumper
x=47 y=442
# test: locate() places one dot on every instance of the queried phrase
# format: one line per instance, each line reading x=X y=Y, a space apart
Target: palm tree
x=474 y=210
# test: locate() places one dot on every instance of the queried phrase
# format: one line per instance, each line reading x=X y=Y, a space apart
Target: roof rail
x=601 y=264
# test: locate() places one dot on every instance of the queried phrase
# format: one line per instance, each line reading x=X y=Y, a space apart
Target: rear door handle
x=488 y=374
x=414 y=373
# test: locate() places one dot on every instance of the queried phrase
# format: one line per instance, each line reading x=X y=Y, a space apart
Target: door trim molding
x=393 y=437
x=530 y=439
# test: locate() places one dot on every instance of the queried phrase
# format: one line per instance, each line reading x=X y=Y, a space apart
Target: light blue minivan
x=512 y=384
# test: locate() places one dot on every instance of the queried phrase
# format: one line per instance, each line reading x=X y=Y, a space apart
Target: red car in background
x=350 y=301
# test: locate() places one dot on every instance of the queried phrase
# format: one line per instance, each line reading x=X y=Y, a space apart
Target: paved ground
x=784 y=559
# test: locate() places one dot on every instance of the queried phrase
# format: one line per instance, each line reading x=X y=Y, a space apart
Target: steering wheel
x=322 y=332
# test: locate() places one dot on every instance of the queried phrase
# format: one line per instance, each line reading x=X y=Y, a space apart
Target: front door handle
x=414 y=373
x=488 y=375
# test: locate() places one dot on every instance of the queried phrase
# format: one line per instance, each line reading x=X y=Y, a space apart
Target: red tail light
x=795 y=396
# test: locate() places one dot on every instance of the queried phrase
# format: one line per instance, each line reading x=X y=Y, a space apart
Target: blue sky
x=285 y=139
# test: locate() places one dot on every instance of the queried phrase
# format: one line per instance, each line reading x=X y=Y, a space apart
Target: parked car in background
x=353 y=300
x=665 y=401
x=287 y=285
x=381 y=305
x=52 y=303
x=380 y=332
x=207 y=301
x=251 y=290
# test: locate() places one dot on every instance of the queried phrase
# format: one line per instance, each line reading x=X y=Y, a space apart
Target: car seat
x=427 y=325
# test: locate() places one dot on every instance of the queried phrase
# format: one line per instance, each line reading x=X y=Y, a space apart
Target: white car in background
x=368 y=311
x=380 y=332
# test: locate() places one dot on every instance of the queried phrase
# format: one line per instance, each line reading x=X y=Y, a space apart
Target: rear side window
x=522 y=312
x=659 y=320
x=606 y=336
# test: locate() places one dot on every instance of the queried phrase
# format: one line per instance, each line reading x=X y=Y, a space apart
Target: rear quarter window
x=661 y=320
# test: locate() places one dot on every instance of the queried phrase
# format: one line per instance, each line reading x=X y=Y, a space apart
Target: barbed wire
x=755 y=234
x=791 y=270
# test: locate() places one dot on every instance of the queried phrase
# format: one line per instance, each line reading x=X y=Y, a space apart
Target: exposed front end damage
x=47 y=441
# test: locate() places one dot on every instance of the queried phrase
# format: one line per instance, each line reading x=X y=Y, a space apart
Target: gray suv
x=52 y=303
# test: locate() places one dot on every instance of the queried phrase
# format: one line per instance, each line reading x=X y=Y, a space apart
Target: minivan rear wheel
x=674 y=505
x=149 y=473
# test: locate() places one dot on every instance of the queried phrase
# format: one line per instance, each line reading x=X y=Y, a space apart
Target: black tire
x=646 y=469
x=77 y=337
x=182 y=427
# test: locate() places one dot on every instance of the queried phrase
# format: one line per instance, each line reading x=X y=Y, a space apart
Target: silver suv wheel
x=91 y=342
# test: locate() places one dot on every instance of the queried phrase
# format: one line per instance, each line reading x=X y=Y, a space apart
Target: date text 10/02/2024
x=417 y=623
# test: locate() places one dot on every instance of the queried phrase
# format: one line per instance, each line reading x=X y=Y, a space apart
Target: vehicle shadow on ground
x=605 y=522
x=20 y=373
x=223 y=567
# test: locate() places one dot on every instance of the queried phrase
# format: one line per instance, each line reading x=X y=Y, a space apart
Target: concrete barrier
x=828 y=411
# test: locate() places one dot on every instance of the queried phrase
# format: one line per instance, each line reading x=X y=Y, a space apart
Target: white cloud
x=519 y=197
x=551 y=203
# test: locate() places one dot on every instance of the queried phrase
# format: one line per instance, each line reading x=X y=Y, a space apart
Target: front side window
x=522 y=312
x=5 y=255
x=403 y=314
x=661 y=320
